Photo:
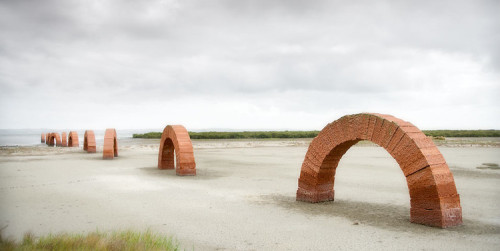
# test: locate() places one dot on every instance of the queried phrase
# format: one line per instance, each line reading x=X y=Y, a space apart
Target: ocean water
x=30 y=137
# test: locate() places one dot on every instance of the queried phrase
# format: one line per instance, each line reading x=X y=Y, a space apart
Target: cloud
x=279 y=60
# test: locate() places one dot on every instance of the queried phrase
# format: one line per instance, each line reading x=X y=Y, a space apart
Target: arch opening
x=434 y=200
x=176 y=151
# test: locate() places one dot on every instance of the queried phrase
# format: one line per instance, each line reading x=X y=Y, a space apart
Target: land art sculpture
x=434 y=199
x=73 y=139
x=64 y=139
x=54 y=139
x=110 y=148
x=89 y=141
x=175 y=138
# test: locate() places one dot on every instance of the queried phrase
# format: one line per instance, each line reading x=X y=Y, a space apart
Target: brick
x=73 y=139
x=110 y=146
x=434 y=199
x=175 y=138
x=64 y=139
x=89 y=143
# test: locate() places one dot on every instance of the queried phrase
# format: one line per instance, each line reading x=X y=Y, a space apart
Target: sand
x=243 y=197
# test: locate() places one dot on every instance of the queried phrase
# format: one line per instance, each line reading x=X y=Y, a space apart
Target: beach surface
x=243 y=197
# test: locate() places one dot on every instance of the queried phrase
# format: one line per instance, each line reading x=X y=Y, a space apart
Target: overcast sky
x=247 y=64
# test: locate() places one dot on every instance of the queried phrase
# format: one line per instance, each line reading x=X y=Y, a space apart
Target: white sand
x=243 y=197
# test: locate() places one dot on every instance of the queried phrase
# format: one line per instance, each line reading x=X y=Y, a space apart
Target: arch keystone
x=89 y=144
x=434 y=200
x=110 y=147
x=175 y=139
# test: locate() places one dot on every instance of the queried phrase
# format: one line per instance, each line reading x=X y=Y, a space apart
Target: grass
x=122 y=240
x=438 y=134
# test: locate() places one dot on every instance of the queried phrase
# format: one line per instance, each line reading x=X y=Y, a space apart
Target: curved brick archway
x=110 y=148
x=42 y=138
x=64 y=138
x=54 y=139
x=433 y=196
x=73 y=139
x=175 y=138
x=89 y=141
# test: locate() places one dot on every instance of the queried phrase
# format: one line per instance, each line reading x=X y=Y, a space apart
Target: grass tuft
x=123 y=240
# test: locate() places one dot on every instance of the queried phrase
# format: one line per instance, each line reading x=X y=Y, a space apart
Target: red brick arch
x=433 y=195
x=64 y=138
x=175 y=138
x=110 y=148
x=89 y=141
x=73 y=139
x=54 y=139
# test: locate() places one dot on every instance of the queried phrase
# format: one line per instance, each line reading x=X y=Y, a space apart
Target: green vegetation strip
x=311 y=134
x=124 y=240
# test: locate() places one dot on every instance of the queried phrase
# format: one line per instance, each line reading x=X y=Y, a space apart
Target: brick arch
x=175 y=138
x=433 y=195
x=64 y=139
x=73 y=139
x=54 y=139
x=110 y=148
x=89 y=141
x=42 y=138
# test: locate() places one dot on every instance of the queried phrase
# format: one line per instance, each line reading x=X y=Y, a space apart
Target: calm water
x=27 y=137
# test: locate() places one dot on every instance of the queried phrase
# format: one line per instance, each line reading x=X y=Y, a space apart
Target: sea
x=32 y=137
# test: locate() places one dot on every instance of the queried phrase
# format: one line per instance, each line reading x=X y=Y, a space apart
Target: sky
x=247 y=65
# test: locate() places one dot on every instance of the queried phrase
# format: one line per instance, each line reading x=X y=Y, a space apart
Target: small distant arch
x=64 y=139
x=175 y=138
x=73 y=139
x=54 y=139
x=110 y=148
x=434 y=199
x=89 y=144
x=43 y=138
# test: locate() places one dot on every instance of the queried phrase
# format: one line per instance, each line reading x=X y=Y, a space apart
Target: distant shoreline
x=311 y=134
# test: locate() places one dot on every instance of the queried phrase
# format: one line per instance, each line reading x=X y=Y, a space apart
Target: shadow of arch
x=73 y=139
x=89 y=141
x=175 y=138
x=110 y=147
x=434 y=199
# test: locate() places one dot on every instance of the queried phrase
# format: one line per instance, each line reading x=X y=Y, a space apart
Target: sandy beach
x=243 y=196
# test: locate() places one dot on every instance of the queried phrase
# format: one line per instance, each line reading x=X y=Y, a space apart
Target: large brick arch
x=89 y=141
x=73 y=139
x=176 y=138
x=433 y=196
x=54 y=139
x=110 y=148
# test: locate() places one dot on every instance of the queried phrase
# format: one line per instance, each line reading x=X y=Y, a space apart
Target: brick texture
x=54 y=139
x=175 y=140
x=89 y=141
x=73 y=139
x=64 y=139
x=433 y=195
x=110 y=147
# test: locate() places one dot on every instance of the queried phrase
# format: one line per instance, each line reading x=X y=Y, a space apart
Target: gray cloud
x=279 y=59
